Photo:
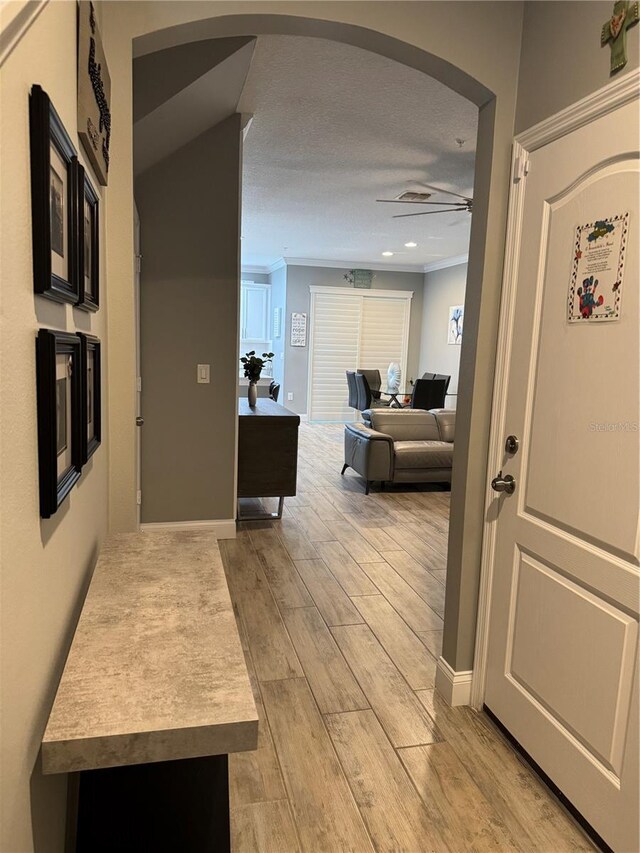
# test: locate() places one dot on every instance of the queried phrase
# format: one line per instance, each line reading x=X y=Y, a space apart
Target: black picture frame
x=59 y=416
x=54 y=202
x=88 y=243
x=91 y=409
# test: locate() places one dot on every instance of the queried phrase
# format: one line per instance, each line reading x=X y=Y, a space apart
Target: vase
x=252 y=393
x=394 y=374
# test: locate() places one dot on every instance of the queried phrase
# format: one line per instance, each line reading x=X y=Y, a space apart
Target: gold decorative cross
x=625 y=14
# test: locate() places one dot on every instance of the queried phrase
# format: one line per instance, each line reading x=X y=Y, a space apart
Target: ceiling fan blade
x=427 y=212
x=440 y=190
x=401 y=201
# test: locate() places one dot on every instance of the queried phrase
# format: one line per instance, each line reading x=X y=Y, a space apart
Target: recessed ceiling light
x=387 y=254
x=411 y=245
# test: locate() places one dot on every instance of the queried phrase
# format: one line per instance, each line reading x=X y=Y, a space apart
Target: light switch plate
x=204 y=374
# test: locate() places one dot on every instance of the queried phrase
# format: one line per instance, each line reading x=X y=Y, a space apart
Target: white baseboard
x=223 y=528
x=454 y=687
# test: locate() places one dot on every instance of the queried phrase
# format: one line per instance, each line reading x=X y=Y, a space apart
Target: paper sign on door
x=598 y=269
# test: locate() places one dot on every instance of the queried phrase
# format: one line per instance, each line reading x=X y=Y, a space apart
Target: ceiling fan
x=412 y=197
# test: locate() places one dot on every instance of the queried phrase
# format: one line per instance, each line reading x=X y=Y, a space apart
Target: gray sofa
x=401 y=446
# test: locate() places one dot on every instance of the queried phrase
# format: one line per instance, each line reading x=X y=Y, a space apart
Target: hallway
x=340 y=609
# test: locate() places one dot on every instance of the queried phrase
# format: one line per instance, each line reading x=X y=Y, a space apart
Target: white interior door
x=562 y=667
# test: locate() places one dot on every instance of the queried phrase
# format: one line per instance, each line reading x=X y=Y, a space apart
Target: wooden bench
x=155 y=693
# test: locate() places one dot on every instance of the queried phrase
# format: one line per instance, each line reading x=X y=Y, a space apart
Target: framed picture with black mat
x=60 y=386
x=91 y=396
x=54 y=202
x=88 y=244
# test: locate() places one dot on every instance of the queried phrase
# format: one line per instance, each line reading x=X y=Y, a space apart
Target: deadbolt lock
x=512 y=444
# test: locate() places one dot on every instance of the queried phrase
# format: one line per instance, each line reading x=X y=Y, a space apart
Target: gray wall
x=278 y=280
x=442 y=289
x=189 y=212
x=299 y=279
x=561 y=59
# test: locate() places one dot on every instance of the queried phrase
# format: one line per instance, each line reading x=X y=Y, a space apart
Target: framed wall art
x=54 y=202
x=59 y=378
x=94 y=92
x=91 y=396
x=88 y=244
x=454 y=329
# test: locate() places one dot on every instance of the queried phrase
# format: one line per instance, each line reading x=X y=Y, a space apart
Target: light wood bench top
x=156 y=670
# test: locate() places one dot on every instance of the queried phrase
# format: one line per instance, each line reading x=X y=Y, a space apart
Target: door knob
x=139 y=421
x=503 y=484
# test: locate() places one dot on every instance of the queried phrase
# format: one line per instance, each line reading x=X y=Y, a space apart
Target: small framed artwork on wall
x=88 y=244
x=91 y=396
x=59 y=377
x=54 y=202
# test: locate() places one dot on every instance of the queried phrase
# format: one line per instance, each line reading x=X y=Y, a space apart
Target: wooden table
x=155 y=693
x=267 y=453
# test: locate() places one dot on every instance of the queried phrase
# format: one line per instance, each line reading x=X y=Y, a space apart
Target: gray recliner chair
x=401 y=446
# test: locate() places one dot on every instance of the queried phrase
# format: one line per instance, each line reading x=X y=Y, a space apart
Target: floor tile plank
x=325 y=812
x=418 y=578
x=331 y=681
x=413 y=609
x=522 y=802
x=433 y=641
x=402 y=716
x=370 y=529
x=393 y=811
x=403 y=647
x=345 y=569
x=361 y=550
x=297 y=545
x=285 y=582
x=329 y=597
x=264 y=828
x=271 y=649
x=454 y=803
x=311 y=524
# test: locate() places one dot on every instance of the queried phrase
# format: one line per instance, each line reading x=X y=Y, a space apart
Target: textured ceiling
x=334 y=128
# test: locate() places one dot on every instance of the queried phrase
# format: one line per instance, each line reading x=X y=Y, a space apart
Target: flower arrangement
x=253 y=365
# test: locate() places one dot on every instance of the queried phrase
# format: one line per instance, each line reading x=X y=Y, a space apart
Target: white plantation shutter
x=336 y=333
x=350 y=331
x=382 y=335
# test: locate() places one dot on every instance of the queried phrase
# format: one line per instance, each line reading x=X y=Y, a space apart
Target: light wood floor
x=340 y=608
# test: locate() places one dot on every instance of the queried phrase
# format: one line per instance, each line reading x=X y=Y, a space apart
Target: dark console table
x=267 y=453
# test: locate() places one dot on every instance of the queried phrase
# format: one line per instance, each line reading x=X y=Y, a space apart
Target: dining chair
x=274 y=390
x=428 y=376
x=365 y=397
x=446 y=378
x=353 y=389
x=428 y=394
x=374 y=379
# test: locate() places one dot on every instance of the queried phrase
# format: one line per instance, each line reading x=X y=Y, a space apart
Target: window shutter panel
x=382 y=335
x=336 y=334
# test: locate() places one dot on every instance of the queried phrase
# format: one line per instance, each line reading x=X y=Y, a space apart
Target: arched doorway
x=485 y=262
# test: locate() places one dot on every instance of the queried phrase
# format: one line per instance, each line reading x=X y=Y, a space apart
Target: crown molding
x=454 y=261
x=349 y=265
x=254 y=268
x=263 y=269
x=277 y=265
x=15 y=20
x=610 y=97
